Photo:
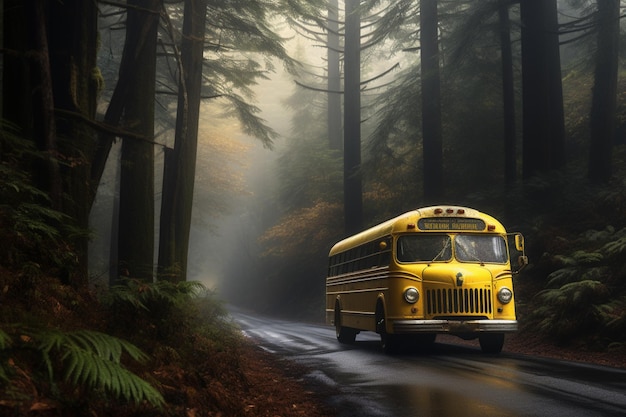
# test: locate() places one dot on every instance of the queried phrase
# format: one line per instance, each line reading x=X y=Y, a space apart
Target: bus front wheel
x=491 y=342
x=389 y=342
x=344 y=334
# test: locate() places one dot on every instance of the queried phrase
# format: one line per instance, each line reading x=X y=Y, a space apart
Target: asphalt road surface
x=445 y=381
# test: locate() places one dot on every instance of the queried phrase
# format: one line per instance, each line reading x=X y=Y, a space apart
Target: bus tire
x=345 y=335
x=491 y=342
x=389 y=343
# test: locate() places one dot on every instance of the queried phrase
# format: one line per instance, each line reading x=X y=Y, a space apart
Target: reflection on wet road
x=445 y=381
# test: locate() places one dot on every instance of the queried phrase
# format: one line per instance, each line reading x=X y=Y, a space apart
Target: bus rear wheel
x=344 y=334
x=491 y=342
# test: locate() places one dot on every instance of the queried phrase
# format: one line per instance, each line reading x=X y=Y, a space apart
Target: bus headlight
x=505 y=295
x=411 y=295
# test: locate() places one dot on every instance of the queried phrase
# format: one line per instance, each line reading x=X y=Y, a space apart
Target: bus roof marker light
x=460 y=211
x=410 y=226
x=438 y=211
x=449 y=211
x=491 y=227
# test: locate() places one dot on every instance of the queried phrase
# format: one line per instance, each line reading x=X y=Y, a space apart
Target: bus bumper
x=454 y=326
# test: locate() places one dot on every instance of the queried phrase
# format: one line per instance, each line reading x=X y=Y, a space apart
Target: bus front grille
x=458 y=301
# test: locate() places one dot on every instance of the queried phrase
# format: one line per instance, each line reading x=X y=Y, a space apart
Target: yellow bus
x=434 y=270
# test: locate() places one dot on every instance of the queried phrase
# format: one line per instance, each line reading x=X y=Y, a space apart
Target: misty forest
x=162 y=160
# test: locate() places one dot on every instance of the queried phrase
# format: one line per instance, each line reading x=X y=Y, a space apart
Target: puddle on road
x=435 y=402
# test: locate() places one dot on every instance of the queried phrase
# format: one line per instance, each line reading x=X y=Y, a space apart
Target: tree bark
x=604 y=99
x=180 y=163
x=508 y=95
x=431 y=102
x=542 y=95
x=352 y=182
x=334 y=78
x=136 y=204
x=15 y=69
x=44 y=132
x=73 y=49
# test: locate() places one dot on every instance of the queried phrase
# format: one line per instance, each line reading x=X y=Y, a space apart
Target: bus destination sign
x=450 y=223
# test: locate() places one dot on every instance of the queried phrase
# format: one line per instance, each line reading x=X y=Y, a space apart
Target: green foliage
x=173 y=328
x=615 y=248
x=585 y=295
x=5 y=343
x=163 y=310
x=571 y=311
x=89 y=361
x=143 y=295
x=92 y=361
x=31 y=229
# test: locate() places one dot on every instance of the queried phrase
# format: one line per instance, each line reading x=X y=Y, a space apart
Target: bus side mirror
x=522 y=261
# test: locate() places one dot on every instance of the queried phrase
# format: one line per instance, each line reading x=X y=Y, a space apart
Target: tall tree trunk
x=73 y=50
x=542 y=95
x=136 y=208
x=131 y=57
x=604 y=100
x=508 y=95
x=334 y=78
x=44 y=133
x=15 y=68
x=50 y=55
x=431 y=102
x=352 y=183
x=180 y=163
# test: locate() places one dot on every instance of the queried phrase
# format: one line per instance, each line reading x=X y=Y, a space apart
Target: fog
x=235 y=177
x=221 y=234
x=225 y=244
x=236 y=195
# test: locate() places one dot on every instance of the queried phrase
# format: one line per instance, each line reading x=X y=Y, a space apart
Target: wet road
x=446 y=381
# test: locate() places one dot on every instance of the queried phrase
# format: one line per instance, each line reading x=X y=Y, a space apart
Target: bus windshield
x=424 y=248
x=480 y=248
x=438 y=247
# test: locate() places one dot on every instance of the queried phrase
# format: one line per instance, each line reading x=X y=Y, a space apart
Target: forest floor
x=216 y=374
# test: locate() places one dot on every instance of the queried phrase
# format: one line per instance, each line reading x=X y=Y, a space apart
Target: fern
x=140 y=294
x=616 y=247
x=563 y=276
x=587 y=258
x=573 y=308
x=5 y=343
x=615 y=314
x=565 y=261
x=5 y=340
x=92 y=360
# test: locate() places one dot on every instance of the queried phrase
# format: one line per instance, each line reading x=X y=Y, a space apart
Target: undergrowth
x=574 y=290
x=140 y=349
x=584 y=299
